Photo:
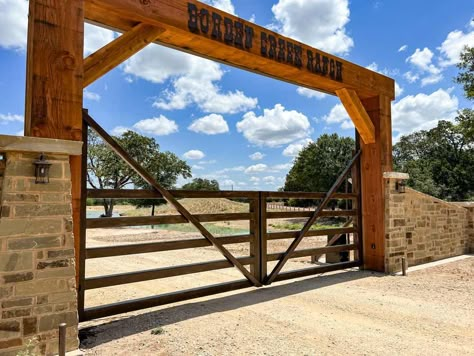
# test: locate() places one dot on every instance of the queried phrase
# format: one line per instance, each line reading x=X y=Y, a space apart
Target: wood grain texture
x=118 y=51
x=357 y=113
x=172 y=15
x=372 y=191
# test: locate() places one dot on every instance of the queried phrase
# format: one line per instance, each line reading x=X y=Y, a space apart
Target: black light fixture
x=42 y=170
x=400 y=186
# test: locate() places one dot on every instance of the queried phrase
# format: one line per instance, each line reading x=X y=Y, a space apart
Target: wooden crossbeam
x=311 y=220
x=118 y=51
x=358 y=114
x=336 y=237
x=168 y=197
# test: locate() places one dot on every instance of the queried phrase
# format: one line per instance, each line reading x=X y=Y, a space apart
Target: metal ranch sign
x=242 y=36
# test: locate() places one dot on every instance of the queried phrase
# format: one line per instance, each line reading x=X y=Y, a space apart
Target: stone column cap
x=39 y=144
x=396 y=175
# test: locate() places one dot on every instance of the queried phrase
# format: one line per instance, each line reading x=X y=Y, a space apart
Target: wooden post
x=54 y=76
x=376 y=159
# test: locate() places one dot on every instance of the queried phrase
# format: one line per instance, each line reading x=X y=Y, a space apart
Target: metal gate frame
x=258 y=237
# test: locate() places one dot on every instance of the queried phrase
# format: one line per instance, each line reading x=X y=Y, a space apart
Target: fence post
x=254 y=229
x=262 y=223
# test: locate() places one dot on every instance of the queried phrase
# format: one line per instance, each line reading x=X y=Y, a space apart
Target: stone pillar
x=395 y=222
x=37 y=266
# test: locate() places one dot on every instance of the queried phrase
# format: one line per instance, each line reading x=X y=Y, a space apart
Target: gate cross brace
x=311 y=221
x=168 y=197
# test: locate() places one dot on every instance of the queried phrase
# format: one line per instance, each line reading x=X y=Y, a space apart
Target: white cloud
x=398 y=90
x=197 y=167
x=257 y=156
x=14 y=24
x=96 y=37
x=224 y=5
x=311 y=93
x=210 y=125
x=256 y=168
x=422 y=60
x=421 y=112
x=411 y=77
x=339 y=115
x=228 y=183
x=282 y=167
x=158 y=126
x=295 y=148
x=453 y=45
x=8 y=118
x=320 y=23
x=254 y=179
x=192 y=78
x=269 y=179
x=403 y=48
x=91 y=96
x=275 y=127
x=194 y=155
x=120 y=130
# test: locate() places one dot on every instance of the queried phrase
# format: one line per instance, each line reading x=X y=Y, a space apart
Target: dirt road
x=430 y=312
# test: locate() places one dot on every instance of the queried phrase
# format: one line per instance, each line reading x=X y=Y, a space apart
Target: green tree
x=466 y=75
x=108 y=171
x=202 y=184
x=319 y=164
x=440 y=161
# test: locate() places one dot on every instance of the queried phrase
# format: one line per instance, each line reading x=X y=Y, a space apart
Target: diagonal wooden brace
x=358 y=114
x=118 y=51
x=168 y=197
x=310 y=222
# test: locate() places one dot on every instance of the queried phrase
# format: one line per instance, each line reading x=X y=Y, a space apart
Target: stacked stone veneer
x=422 y=228
x=37 y=268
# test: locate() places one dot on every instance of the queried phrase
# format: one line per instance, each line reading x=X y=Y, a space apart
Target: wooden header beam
x=202 y=30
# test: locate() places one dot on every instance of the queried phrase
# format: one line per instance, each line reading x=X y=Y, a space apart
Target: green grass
x=299 y=226
x=212 y=228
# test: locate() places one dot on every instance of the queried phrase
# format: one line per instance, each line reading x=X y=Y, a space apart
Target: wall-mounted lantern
x=42 y=170
x=400 y=186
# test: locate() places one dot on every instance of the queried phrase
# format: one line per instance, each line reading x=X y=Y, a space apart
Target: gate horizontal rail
x=259 y=255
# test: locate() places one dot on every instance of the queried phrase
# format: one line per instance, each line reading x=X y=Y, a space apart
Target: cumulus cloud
x=422 y=60
x=157 y=126
x=210 y=125
x=91 y=96
x=311 y=93
x=339 y=115
x=257 y=168
x=193 y=81
x=275 y=127
x=14 y=24
x=421 y=112
x=120 y=130
x=194 y=155
x=453 y=45
x=294 y=149
x=96 y=37
x=9 y=118
x=257 y=156
x=320 y=23
x=224 y=5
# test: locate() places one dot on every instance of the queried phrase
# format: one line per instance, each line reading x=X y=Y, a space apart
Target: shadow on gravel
x=129 y=325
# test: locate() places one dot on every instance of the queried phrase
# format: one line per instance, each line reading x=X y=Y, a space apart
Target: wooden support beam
x=357 y=113
x=54 y=73
x=239 y=43
x=118 y=51
x=376 y=158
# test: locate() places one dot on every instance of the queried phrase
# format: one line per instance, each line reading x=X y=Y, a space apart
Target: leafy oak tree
x=108 y=171
x=466 y=74
x=319 y=164
x=202 y=184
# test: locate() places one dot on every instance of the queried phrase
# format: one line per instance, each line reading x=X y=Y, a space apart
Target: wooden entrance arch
x=57 y=75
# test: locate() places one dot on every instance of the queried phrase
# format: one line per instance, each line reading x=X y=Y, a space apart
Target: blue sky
x=242 y=129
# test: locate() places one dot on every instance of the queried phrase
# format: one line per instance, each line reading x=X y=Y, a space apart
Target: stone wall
x=422 y=228
x=37 y=268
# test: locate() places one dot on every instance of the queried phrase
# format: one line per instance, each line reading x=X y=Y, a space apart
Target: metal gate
x=262 y=268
